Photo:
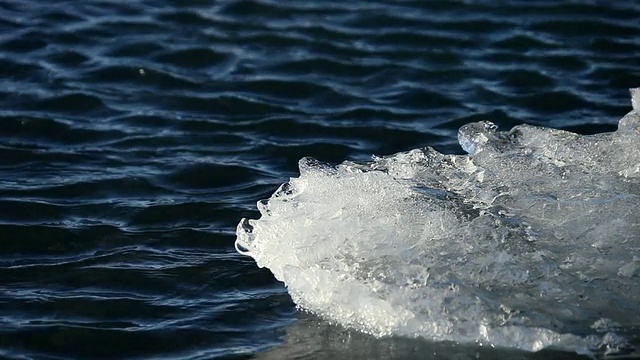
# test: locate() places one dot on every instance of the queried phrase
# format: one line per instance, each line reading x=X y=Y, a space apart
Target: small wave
x=42 y=131
x=25 y=44
x=70 y=103
x=193 y=58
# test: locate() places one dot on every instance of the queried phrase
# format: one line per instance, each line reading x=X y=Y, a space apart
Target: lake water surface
x=135 y=135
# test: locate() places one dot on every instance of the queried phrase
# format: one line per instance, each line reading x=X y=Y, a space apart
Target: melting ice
x=532 y=240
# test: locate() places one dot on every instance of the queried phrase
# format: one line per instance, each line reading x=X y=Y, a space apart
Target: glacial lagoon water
x=134 y=136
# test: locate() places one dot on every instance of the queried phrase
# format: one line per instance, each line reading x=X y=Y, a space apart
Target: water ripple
x=134 y=136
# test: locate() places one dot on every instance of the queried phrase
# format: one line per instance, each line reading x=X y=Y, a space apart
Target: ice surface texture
x=531 y=240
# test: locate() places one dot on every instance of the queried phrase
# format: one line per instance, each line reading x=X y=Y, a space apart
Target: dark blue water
x=134 y=136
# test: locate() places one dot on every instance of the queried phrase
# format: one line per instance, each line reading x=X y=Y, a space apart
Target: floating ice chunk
x=635 y=98
x=526 y=242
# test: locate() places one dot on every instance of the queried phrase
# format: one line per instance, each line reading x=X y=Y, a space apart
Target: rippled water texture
x=134 y=136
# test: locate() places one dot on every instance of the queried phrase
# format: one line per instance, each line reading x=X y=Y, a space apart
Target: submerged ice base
x=531 y=240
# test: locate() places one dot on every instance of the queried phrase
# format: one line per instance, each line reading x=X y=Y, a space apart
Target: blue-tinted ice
x=529 y=241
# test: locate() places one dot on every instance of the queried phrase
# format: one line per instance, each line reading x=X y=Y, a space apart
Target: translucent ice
x=526 y=242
